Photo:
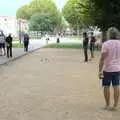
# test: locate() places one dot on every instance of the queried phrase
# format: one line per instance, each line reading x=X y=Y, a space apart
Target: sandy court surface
x=52 y=84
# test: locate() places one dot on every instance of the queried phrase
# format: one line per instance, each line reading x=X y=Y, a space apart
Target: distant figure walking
x=92 y=45
x=26 y=42
x=2 y=43
x=9 y=45
x=85 y=46
x=47 y=38
x=58 y=37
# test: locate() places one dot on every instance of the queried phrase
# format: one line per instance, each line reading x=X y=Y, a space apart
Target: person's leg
x=0 y=51
x=27 y=47
x=24 y=47
x=116 y=83
x=91 y=52
x=7 y=51
x=116 y=96
x=10 y=51
x=86 y=55
x=4 y=49
x=106 y=84
x=93 y=49
x=107 y=96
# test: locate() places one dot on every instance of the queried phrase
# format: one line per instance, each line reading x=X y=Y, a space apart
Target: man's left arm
x=101 y=62
x=104 y=54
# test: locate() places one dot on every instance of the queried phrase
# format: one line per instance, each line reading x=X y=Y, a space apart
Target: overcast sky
x=9 y=7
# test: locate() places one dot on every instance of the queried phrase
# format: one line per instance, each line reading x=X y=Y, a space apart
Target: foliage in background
x=105 y=14
x=17 y=45
x=76 y=13
x=41 y=6
x=101 y=13
x=64 y=45
x=68 y=45
x=23 y=12
x=40 y=22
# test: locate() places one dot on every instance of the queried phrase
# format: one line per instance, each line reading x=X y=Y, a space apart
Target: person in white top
x=47 y=38
x=2 y=43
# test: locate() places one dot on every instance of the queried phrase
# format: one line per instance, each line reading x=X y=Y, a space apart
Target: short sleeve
x=104 y=48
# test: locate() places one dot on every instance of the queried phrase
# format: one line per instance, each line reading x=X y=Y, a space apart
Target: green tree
x=97 y=13
x=70 y=13
x=76 y=13
x=41 y=6
x=23 y=12
x=105 y=14
x=40 y=22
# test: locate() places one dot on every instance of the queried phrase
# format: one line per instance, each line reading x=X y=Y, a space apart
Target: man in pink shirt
x=109 y=66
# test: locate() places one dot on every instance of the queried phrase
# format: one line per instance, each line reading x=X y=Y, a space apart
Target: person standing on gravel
x=26 y=42
x=9 y=45
x=92 y=45
x=85 y=46
x=109 y=66
x=2 y=43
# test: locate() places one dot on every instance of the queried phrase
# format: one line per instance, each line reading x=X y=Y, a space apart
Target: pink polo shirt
x=112 y=62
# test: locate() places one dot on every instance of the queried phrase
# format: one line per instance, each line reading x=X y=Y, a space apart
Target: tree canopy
x=101 y=13
x=76 y=12
x=23 y=12
x=40 y=22
x=41 y=6
x=105 y=13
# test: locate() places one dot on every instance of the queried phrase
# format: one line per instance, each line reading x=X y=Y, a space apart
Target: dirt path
x=52 y=84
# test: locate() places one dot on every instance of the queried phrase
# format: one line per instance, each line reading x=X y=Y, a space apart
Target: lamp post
x=77 y=19
x=19 y=24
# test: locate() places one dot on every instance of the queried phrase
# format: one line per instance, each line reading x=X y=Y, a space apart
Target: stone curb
x=20 y=56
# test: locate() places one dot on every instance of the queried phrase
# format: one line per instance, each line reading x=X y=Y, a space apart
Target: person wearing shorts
x=109 y=67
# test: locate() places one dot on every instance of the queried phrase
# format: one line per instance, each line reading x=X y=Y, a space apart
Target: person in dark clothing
x=58 y=37
x=92 y=45
x=9 y=45
x=26 y=42
x=85 y=46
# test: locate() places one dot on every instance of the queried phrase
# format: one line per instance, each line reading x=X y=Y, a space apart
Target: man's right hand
x=100 y=75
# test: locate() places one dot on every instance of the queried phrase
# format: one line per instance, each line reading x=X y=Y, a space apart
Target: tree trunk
x=104 y=36
x=78 y=31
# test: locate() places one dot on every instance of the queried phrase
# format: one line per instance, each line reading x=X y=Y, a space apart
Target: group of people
x=6 y=44
x=58 y=36
x=88 y=41
x=109 y=65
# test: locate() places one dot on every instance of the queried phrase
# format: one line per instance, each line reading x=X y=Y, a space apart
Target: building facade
x=10 y=24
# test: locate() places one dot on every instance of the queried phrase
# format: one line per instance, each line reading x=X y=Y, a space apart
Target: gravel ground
x=52 y=84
